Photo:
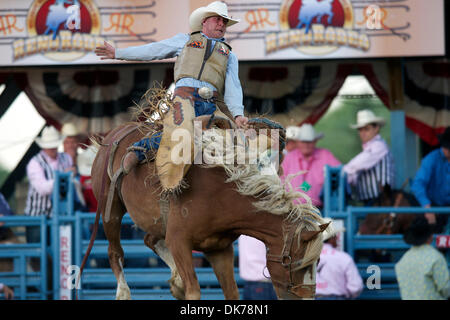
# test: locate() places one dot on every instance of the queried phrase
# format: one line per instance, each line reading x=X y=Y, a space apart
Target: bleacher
x=98 y=282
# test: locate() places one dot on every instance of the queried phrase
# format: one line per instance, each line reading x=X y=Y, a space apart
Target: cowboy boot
x=129 y=162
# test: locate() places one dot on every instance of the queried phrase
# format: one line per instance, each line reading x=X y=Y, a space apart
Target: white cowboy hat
x=307 y=133
x=292 y=132
x=365 y=117
x=331 y=230
x=216 y=8
x=49 y=139
x=85 y=161
x=69 y=130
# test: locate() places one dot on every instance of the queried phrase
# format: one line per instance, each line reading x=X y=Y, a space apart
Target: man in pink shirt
x=310 y=160
x=252 y=269
x=337 y=276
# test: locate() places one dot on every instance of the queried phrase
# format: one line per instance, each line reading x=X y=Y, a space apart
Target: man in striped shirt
x=41 y=172
x=372 y=169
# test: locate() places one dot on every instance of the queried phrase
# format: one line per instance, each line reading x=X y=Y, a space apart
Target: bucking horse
x=216 y=205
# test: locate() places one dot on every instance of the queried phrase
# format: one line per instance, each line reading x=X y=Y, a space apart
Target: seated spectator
x=372 y=170
x=422 y=272
x=306 y=158
x=7 y=291
x=431 y=185
x=252 y=269
x=337 y=276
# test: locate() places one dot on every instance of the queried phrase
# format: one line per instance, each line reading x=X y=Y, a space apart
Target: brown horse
x=216 y=206
x=389 y=223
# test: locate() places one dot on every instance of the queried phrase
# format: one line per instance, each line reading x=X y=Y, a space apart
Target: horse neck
x=265 y=227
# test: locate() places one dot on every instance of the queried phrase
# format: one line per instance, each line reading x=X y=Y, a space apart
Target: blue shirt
x=172 y=47
x=432 y=182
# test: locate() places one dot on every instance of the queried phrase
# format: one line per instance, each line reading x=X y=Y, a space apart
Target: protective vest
x=198 y=61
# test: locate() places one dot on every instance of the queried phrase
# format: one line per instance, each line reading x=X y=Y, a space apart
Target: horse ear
x=309 y=235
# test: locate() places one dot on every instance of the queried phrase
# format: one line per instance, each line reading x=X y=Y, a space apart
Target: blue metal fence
x=335 y=206
x=145 y=283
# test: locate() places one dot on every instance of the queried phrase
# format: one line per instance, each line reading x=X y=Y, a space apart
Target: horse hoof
x=123 y=293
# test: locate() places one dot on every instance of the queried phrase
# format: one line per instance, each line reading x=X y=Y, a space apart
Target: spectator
x=372 y=170
x=291 y=133
x=7 y=291
x=252 y=269
x=6 y=234
x=431 y=185
x=71 y=142
x=310 y=160
x=422 y=272
x=337 y=276
x=41 y=171
x=85 y=160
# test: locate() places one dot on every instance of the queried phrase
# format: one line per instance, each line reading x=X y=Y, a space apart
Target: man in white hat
x=71 y=141
x=337 y=276
x=372 y=170
x=309 y=160
x=41 y=172
x=206 y=70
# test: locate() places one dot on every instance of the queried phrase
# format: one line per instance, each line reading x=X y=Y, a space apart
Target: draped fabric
x=294 y=93
x=98 y=98
x=427 y=98
x=95 y=99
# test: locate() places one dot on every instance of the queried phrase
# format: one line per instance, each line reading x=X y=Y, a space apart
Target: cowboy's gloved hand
x=241 y=121
x=106 y=51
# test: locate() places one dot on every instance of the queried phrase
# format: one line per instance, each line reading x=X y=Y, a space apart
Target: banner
x=65 y=260
x=49 y=32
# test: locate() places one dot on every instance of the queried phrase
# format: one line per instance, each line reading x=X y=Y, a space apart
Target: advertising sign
x=49 y=32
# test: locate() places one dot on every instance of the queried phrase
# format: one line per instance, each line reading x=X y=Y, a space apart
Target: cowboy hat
x=444 y=139
x=49 y=139
x=292 y=132
x=419 y=232
x=365 y=117
x=331 y=230
x=216 y=8
x=69 y=130
x=85 y=161
x=307 y=133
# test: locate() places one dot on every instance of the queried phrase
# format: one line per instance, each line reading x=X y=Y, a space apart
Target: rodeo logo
x=316 y=27
x=61 y=30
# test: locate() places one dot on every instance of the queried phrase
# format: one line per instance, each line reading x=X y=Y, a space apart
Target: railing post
x=350 y=222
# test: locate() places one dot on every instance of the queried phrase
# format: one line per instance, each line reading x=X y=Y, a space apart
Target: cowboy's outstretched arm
x=106 y=51
x=233 y=92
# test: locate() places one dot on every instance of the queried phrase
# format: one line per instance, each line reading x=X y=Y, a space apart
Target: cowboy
x=71 y=141
x=422 y=272
x=205 y=71
x=309 y=160
x=372 y=169
x=431 y=185
x=337 y=276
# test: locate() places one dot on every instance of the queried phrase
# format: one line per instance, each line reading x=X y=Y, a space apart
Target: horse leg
x=182 y=255
x=115 y=251
x=222 y=263
x=160 y=248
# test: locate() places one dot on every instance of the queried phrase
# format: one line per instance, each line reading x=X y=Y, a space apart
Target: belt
x=188 y=92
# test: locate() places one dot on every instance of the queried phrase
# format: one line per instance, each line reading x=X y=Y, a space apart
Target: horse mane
x=275 y=197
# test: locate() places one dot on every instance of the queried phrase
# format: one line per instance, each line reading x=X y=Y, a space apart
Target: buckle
x=206 y=93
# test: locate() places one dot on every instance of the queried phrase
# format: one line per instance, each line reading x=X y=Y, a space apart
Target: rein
x=285 y=259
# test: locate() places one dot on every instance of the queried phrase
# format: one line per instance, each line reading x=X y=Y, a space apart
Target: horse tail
x=97 y=142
